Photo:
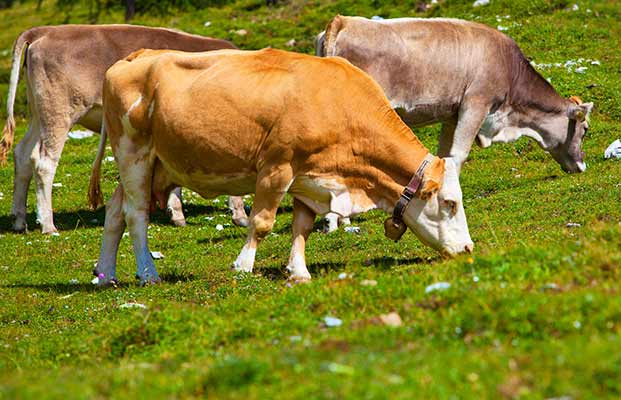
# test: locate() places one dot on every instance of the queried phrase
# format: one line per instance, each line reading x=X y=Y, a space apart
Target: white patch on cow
x=496 y=129
x=297 y=266
x=127 y=126
x=151 y=108
x=135 y=104
x=328 y=194
x=245 y=259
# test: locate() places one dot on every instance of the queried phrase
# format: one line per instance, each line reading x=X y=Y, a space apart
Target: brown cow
x=472 y=78
x=65 y=71
x=268 y=122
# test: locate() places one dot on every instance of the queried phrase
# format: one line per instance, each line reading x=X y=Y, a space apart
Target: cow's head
x=437 y=217
x=565 y=134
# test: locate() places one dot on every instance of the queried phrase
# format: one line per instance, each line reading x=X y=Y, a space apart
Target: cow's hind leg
x=236 y=205
x=136 y=167
x=113 y=232
x=174 y=207
x=303 y=219
x=270 y=189
x=23 y=174
x=45 y=161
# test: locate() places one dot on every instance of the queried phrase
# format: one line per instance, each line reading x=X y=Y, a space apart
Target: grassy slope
x=501 y=329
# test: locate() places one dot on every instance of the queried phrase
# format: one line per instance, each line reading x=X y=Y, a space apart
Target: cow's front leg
x=472 y=113
x=303 y=219
x=270 y=189
x=333 y=221
x=174 y=207
x=236 y=205
x=113 y=232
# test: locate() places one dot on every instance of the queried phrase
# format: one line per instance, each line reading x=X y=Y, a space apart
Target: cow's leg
x=45 y=161
x=472 y=114
x=236 y=205
x=303 y=219
x=333 y=221
x=270 y=189
x=113 y=232
x=136 y=171
x=23 y=174
x=445 y=143
x=174 y=207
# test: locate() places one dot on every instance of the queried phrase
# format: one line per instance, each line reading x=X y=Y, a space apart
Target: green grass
x=535 y=314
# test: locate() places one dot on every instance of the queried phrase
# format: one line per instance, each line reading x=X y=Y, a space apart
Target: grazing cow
x=65 y=71
x=472 y=78
x=268 y=122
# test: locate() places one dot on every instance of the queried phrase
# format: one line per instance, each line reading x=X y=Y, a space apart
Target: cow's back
x=77 y=56
x=241 y=108
x=424 y=64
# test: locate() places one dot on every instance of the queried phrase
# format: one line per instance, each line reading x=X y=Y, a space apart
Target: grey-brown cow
x=65 y=68
x=472 y=78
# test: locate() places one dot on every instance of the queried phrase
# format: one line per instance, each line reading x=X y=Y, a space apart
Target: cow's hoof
x=299 y=280
x=102 y=280
x=19 y=224
x=240 y=267
x=243 y=221
x=149 y=280
x=49 y=230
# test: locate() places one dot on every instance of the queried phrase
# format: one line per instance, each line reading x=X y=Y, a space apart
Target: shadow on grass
x=64 y=220
x=321 y=268
x=87 y=287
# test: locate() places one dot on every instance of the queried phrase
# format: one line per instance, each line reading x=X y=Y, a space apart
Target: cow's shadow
x=276 y=273
x=87 y=219
x=171 y=277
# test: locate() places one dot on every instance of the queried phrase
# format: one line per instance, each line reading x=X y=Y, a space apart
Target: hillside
x=535 y=312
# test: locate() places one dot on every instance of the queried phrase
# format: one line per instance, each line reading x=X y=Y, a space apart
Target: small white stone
x=57 y=184
x=156 y=255
x=437 y=286
x=219 y=227
x=332 y=322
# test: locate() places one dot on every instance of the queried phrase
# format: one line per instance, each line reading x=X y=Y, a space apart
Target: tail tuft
x=8 y=135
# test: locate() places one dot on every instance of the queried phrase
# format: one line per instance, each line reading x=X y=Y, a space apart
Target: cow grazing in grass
x=470 y=77
x=268 y=122
x=65 y=67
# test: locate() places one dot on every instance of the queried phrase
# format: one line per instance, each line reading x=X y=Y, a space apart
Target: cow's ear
x=430 y=187
x=587 y=108
x=432 y=181
x=576 y=113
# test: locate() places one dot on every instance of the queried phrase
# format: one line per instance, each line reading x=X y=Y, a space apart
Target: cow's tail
x=8 y=133
x=95 y=197
x=329 y=38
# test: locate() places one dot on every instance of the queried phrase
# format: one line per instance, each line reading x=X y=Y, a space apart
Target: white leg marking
x=245 y=259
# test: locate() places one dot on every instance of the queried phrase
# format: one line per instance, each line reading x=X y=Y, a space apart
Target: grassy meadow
x=535 y=312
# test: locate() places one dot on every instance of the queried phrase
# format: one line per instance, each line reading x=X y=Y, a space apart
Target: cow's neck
x=389 y=156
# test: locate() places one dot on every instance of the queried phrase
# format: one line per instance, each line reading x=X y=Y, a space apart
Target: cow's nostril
x=468 y=248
